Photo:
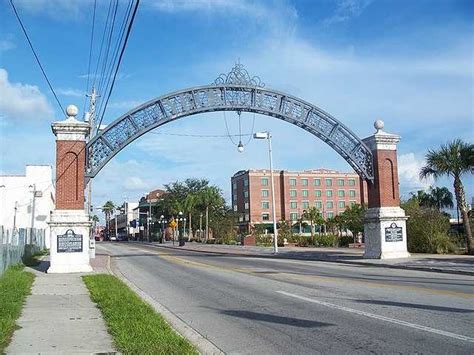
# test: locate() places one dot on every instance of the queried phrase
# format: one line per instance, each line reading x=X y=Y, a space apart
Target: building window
x=352 y=193
x=247 y=217
x=328 y=193
x=329 y=204
x=352 y=182
x=235 y=197
x=304 y=193
x=234 y=186
x=340 y=182
x=292 y=182
x=246 y=182
x=305 y=204
x=328 y=182
x=293 y=205
x=318 y=204
x=294 y=216
x=292 y=193
x=264 y=181
x=304 y=182
x=264 y=193
x=241 y=218
x=330 y=215
x=342 y=204
x=265 y=217
x=246 y=205
x=317 y=182
x=265 y=205
x=341 y=193
x=235 y=208
x=246 y=194
x=317 y=193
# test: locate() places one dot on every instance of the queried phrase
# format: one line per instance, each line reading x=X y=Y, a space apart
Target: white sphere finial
x=379 y=124
x=72 y=111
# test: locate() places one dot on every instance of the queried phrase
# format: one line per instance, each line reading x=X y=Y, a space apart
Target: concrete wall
x=18 y=189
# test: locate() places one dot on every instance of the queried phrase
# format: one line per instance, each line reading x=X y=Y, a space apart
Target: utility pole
x=90 y=117
x=149 y=220
x=33 y=207
x=14 y=216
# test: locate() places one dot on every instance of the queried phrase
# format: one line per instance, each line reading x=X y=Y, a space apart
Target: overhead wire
x=113 y=62
x=102 y=43
x=129 y=29
x=36 y=56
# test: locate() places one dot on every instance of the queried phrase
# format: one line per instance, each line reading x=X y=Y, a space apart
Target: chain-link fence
x=18 y=244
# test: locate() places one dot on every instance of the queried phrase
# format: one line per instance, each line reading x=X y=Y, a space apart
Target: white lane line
x=376 y=316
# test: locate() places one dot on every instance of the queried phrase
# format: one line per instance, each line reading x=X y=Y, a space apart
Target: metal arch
x=249 y=97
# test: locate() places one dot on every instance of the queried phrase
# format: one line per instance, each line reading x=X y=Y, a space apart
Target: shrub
x=345 y=240
x=327 y=240
x=427 y=230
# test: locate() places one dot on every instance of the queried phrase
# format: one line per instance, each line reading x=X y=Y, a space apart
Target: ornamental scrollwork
x=239 y=76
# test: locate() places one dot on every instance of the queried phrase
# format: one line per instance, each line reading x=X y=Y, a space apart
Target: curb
x=399 y=267
x=203 y=345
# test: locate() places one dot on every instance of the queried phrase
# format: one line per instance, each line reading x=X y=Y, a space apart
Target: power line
x=202 y=135
x=37 y=59
x=120 y=59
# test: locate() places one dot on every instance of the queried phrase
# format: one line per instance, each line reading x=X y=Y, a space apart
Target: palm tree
x=314 y=217
x=453 y=159
x=424 y=199
x=189 y=204
x=209 y=197
x=441 y=197
x=108 y=209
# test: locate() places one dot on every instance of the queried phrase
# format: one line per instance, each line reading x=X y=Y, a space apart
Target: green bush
x=327 y=240
x=344 y=241
x=427 y=230
x=264 y=240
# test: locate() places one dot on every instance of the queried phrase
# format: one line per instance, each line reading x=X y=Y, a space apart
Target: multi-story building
x=329 y=191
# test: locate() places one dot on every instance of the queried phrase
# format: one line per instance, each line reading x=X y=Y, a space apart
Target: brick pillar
x=70 y=224
x=385 y=221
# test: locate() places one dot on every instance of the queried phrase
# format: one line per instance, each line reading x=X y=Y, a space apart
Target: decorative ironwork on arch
x=235 y=91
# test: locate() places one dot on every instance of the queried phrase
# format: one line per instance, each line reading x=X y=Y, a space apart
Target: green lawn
x=134 y=325
x=15 y=285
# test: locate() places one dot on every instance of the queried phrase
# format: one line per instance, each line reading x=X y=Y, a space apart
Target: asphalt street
x=251 y=305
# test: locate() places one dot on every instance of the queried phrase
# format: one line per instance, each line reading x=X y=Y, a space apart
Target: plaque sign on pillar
x=70 y=224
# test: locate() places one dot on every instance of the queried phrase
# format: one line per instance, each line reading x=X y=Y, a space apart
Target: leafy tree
x=454 y=160
x=424 y=199
x=353 y=217
x=315 y=218
x=188 y=205
x=210 y=197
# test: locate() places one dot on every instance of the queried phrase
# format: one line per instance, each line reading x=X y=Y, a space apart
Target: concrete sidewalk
x=454 y=264
x=60 y=318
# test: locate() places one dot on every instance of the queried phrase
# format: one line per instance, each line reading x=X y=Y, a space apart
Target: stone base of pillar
x=385 y=233
x=69 y=250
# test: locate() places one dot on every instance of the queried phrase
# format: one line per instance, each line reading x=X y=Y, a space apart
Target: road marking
x=376 y=316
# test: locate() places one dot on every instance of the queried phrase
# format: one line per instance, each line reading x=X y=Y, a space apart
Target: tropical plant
x=454 y=160
x=108 y=208
x=441 y=198
x=353 y=217
x=424 y=199
x=188 y=206
x=315 y=218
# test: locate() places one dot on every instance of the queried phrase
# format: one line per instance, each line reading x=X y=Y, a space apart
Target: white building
x=27 y=200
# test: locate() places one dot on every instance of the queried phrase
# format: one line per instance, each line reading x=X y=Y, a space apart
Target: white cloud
x=135 y=183
x=70 y=92
x=347 y=9
x=408 y=171
x=58 y=9
x=6 y=45
x=22 y=101
x=125 y=104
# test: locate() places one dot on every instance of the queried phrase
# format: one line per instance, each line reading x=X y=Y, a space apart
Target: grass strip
x=134 y=325
x=15 y=285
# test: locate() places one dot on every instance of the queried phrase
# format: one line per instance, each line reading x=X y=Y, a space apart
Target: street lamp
x=268 y=136
x=162 y=228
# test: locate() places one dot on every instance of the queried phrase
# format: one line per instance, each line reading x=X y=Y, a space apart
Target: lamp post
x=33 y=206
x=162 y=228
x=268 y=136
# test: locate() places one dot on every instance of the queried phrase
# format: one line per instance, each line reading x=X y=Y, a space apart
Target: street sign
x=393 y=233
x=173 y=224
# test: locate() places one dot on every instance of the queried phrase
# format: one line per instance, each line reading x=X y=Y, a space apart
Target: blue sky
x=407 y=62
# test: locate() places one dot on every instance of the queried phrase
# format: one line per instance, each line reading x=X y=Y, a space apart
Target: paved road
x=250 y=305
